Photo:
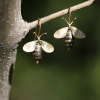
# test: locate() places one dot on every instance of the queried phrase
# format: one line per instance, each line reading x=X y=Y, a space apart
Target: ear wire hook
x=35 y=33
x=65 y=20
x=43 y=34
x=39 y=24
x=69 y=15
x=69 y=23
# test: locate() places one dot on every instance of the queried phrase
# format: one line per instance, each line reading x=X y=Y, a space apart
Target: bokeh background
x=63 y=74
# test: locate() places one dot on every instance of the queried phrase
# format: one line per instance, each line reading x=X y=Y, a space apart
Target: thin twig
x=61 y=13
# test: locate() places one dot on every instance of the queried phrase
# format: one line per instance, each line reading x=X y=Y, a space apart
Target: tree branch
x=12 y=30
x=61 y=13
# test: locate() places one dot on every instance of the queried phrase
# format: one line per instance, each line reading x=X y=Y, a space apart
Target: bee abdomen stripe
x=68 y=38
x=69 y=34
x=38 y=48
x=69 y=41
x=36 y=58
x=36 y=53
x=69 y=44
x=38 y=45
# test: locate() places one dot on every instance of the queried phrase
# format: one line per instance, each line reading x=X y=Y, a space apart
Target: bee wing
x=61 y=33
x=47 y=47
x=77 y=33
x=30 y=46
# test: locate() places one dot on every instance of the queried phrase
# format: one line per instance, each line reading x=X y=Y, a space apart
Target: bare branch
x=61 y=13
x=12 y=30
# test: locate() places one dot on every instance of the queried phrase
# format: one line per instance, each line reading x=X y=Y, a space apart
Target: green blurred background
x=63 y=74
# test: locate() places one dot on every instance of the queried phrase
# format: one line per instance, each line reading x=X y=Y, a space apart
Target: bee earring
x=38 y=45
x=69 y=33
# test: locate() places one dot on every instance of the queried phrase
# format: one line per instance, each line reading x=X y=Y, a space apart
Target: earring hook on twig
x=69 y=22
x=69 y=15
x=39 y=24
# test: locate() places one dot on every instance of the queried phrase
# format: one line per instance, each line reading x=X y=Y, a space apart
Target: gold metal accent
x=68 y=49
x=42 y=34
x=67 y=32
x=38 y=46
x=37 y=62
x=71 y=44
x=39 y=23
x=68 y=40
x=38 y=50
x=73 y=20
x=68 y=37
x=67 y=44
x=35 y=33
x=38 y=35
x=69 y=15
x=69 y=22
x=36 y=53
x=37 y=58
x=65 y=20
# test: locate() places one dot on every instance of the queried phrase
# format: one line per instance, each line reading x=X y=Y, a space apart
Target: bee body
x=38 y=45
x=69 y=33
x=37 y=53
x=69 y=39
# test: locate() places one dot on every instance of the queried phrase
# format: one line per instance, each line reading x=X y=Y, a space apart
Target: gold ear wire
x=73 y=20
x=35 y=33
x=43 y=34
x=39 y=24
x=69 y=15
x=65 y=20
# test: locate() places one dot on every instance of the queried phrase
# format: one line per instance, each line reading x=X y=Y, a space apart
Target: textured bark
x=12 y=30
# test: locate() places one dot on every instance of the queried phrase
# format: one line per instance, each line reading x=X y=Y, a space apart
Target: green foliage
x=63 y=74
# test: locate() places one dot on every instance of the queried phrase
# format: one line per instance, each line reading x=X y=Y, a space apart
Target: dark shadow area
x=11 y=73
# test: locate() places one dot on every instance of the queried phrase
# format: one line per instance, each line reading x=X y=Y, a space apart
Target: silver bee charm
x=38 y=45
x=69 y=33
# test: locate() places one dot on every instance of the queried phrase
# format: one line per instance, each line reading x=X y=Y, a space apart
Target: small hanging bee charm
x=69 y=33
x=38 y=45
